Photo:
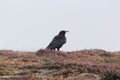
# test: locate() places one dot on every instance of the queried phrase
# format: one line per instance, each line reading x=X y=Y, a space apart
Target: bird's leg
x=58 y=49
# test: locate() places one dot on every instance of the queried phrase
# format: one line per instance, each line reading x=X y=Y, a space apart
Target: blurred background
x=31 y=24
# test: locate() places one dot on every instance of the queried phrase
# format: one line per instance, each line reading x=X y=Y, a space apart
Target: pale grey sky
x=31 y=24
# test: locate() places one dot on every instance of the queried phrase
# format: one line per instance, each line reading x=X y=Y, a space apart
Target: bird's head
x=63 y=32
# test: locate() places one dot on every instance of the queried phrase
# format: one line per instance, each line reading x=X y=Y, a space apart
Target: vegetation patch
x=56 y=65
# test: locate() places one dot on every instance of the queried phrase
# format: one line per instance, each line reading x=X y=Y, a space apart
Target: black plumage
x=58 y=41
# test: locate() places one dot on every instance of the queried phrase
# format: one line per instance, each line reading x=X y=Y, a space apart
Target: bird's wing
x=53 y=43
x=57 y=42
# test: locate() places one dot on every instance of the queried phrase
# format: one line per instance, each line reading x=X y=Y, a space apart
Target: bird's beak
x=66 y=31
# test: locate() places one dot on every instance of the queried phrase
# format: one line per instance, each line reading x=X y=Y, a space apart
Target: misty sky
x=32 y=24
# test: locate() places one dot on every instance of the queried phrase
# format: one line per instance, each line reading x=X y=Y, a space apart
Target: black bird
x=58 y=41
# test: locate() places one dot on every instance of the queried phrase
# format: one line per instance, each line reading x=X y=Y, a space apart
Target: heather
x=88 y=64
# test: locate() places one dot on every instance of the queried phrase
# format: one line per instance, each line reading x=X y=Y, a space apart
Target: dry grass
x=54 y=65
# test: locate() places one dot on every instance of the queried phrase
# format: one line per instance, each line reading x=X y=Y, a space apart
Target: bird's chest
x=62 y=40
